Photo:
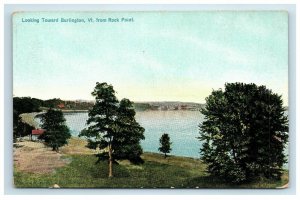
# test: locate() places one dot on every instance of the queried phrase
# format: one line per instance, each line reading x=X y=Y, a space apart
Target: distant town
x=138 y=106
x=84 y=105
x=167 y=105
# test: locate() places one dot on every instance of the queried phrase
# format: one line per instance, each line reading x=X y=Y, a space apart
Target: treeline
x=28 y=104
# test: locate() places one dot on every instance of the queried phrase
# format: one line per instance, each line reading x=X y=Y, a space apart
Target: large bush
x=244 y=133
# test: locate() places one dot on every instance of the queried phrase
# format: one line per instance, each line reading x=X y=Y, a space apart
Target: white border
x=132 y=192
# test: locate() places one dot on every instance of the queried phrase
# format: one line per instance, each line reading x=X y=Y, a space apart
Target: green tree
x=25 y=105
x=244 y=133
x=52 y=103
x=23 y=129
x=111 y=126
x=56 y=132
x=102 y=120
x=165 y=144
x=127 y=140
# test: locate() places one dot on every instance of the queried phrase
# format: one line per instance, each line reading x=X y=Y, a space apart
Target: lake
x=182 y=127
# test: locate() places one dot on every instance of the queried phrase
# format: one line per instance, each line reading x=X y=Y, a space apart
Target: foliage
x=142 y=106
x=26 y=105
x=127 y=140
x=52 y=103
x=165 y=144
x=23 y=129
x=244 y=133
x=78 y=105
x=23 y=105
x=112 y=126
x=56 y=132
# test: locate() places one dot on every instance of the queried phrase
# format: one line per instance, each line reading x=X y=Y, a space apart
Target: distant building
x=184 y=107
x=36 y=133
x=61 y=105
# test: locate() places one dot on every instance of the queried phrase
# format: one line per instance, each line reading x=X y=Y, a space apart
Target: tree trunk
x=165 y=155
x=110 y=161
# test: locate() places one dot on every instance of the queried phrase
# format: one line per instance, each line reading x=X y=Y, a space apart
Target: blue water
x=182 y=127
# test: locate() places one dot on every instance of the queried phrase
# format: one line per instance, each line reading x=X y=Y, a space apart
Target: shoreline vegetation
x=74 y=167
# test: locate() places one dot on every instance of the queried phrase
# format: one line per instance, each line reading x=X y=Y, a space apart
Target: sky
x=160 y=56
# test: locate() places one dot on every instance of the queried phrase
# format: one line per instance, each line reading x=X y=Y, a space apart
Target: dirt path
x=35 y=157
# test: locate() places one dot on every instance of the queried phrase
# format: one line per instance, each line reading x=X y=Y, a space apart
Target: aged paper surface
x=150 y=99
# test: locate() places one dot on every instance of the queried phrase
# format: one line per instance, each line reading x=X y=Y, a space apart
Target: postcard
x=156 y=99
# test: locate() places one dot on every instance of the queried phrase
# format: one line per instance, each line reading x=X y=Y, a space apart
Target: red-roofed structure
x=61 y=105
x=37 y=132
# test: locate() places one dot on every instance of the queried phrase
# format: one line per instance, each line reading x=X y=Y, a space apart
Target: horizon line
x=139 y=101
x=144 y=101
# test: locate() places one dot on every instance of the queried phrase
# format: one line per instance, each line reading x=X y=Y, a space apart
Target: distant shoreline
x=74 y=111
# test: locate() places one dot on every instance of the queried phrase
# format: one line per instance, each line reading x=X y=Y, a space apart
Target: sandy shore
x=29 y=118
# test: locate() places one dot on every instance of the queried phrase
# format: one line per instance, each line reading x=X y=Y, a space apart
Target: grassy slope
x=156 y=172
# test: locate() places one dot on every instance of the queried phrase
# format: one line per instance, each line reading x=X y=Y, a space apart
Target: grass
x=76 y=146
x=156 y=172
